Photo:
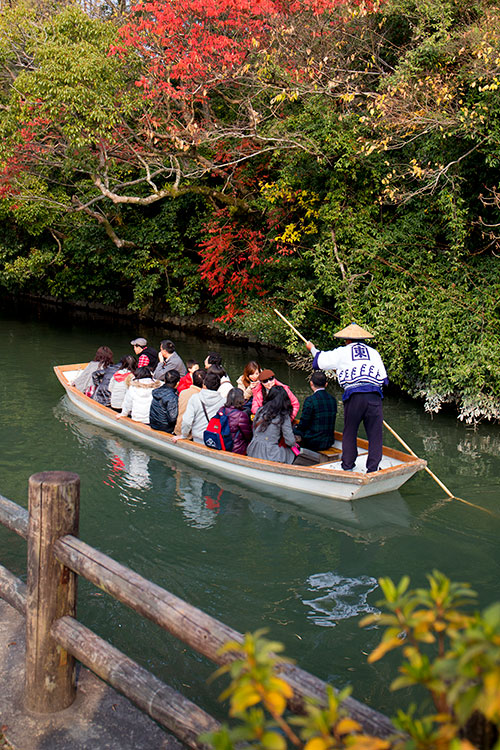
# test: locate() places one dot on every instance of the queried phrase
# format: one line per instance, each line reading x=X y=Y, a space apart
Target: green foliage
x=258 y=697
x=73 y=79
x=380 y=204
x=453 y=653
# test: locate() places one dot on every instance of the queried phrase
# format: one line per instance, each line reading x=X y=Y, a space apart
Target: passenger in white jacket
x=137 y=401
x=119 y=383
x=201 y=408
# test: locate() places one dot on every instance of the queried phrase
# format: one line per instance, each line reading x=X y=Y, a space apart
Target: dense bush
x=337 y=159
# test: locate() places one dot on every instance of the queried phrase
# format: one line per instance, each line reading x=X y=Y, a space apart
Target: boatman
x=361 y=374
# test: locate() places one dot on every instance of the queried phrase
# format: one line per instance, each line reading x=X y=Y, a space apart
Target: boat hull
x=322 y=480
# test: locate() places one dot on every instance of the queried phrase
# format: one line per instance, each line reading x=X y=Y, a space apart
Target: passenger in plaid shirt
x=316 y=429
x=148 y=357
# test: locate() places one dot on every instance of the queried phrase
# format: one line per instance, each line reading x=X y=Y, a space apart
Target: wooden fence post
x=54 y=499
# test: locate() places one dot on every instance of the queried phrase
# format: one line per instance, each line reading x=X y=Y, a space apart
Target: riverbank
x=162 y=325
x=99 y=717
x=198 y=324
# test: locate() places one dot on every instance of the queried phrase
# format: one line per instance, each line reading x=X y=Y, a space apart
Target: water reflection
x=199 y=500
x=340 y=599
x=469 y=452
x=202 y=497
x=128 y=466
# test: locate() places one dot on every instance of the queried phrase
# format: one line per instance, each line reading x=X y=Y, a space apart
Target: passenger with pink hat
x=267 y=379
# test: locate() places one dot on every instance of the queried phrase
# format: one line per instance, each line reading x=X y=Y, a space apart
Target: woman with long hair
x=102 y=359
x=249 y=380
x=273 y=425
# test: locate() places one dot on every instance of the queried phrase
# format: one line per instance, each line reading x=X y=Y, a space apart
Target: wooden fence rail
x=14 y=517
x=161 y=702
x=55 y=638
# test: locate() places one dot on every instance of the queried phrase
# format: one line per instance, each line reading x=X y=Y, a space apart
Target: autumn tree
x=336 y=157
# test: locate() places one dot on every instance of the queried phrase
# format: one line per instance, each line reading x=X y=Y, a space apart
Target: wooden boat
x=326 y=479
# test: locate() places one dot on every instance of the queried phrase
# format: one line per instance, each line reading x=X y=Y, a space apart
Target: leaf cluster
x=450 y=651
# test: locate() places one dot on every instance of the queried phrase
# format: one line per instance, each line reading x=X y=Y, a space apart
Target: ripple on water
x=341 y=598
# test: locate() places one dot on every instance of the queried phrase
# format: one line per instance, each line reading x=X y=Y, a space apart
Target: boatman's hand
x=309 y=345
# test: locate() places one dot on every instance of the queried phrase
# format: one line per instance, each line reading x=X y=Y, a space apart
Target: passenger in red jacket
x=187 y=381
x=239 y=421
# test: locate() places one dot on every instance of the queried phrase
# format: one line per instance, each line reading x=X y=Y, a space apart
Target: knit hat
x=265 y=375
x=353 y=331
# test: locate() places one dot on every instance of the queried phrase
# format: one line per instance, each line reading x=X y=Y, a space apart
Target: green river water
x=248 y=557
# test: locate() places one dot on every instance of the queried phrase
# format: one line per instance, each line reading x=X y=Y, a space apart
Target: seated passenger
x=316 y=429
x=119 y=383
x=148 y=357
x=165 y=404
x=101 y=380
x=187 y=380
x=137 y=401
x=239 y=421
x=169 y=360
x=213 y=358
x=102 y=359
x=202 y=407
x=267 y=380
x=272 y=422
x=225 y=382
x=249 y=380
x=185 y=395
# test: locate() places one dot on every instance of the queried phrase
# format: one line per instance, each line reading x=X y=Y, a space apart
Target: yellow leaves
x=367 y=742
x=303 y=203
x=383 y=648
x=275 y=703
x=243 y=698
x=282 y=686
x=279 y=98
x=416 y=170
x=346 y=726
x=273 y=741
x=290 y=235
x=490 y=704
x=318 y=743
x=228 y=647
x=285 y=95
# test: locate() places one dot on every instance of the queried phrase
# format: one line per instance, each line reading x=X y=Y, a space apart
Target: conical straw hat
x=353 y=331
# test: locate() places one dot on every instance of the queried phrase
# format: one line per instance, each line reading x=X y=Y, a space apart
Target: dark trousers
x=366 y=408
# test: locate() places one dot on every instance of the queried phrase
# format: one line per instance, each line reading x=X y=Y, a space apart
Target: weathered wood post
x=54 y=500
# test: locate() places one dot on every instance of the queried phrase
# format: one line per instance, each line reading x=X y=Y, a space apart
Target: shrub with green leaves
x=450 y=650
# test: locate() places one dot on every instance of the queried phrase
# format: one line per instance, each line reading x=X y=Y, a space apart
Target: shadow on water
x=202 y=496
